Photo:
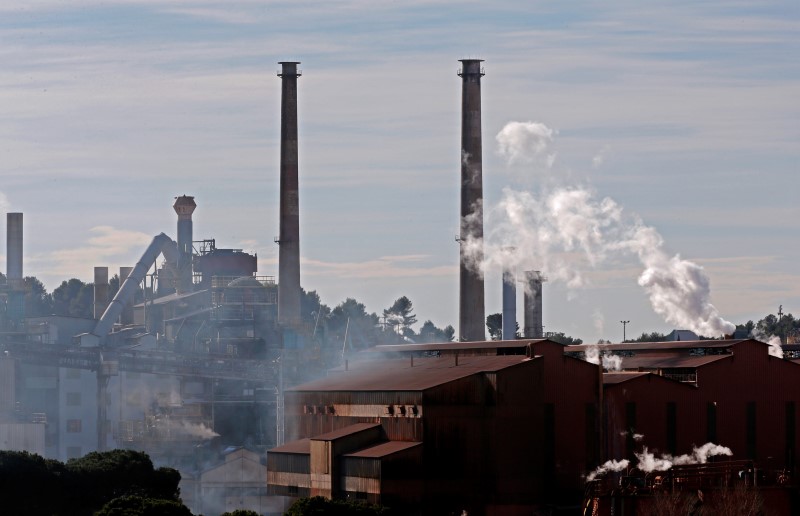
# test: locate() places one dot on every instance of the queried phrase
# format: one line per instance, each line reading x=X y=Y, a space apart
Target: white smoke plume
x=649 y=462
x=191 y=429
x=774 y=342
x=609 y=362
x=608 y=466
x=567 y=230
x=526 y=142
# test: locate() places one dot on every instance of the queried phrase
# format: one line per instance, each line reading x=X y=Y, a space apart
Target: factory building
x=491 y=428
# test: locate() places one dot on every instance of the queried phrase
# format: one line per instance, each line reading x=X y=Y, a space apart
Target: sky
x=683 y=117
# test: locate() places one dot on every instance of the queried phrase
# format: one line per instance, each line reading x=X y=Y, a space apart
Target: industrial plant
x=211 y=368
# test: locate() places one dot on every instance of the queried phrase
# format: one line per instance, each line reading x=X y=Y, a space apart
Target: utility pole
x=624 y=325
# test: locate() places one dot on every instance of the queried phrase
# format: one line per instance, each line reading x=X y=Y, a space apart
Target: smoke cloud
x=608 y=466
x=526 y=142
x=565 y=231
x=609 y=362
x=648 y=462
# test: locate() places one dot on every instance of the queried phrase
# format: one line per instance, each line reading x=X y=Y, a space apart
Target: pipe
x=14 y=250
x=289 y=239
x=471 y=298
x=127 y=290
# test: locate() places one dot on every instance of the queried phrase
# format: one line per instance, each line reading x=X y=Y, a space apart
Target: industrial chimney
x=289 y=239
x=471 y=302
x=14 y=250
x=509 y=299
x=533 y=304
x=100 y=291
x=126 y=316
x=184 y=206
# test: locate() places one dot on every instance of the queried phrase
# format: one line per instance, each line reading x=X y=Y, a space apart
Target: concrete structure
x=184 y=206
x=509 y=303
x=14 y=250
x=126 y=316
x=289 y=239
x=533 y=305
x=472 y=314
x=100 y=291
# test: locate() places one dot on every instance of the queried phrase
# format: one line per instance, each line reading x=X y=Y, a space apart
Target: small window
x=293 y=490
x=74 y=399
x=74 y=426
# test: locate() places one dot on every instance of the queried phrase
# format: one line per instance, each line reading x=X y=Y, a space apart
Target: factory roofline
x=642 y=346
x=618 y=377
x=384 y=449
x=400 y=375
x=344 y=432
x=453 y=346
x=670 y=362
x=299 y=446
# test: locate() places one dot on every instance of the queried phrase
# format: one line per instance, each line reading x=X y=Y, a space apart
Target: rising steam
x=648 y=462
x=565 y=231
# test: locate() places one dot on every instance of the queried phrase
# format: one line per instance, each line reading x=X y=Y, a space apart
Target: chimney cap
x=184 y=205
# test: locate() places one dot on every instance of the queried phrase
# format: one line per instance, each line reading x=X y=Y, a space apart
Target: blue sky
x=684 y=113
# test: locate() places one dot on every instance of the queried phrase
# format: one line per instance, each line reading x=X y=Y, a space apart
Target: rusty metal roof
x=344 y=432
x=679 y=361
x=453 y=346
x=384 y=449
x=614 y=378
x=642 y=346
x=299 y=446
x=399 y=375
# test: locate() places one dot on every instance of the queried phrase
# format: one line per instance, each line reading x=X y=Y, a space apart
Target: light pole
x=624 y=325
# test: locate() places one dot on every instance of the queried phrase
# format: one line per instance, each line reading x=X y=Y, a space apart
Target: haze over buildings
x=685 y=115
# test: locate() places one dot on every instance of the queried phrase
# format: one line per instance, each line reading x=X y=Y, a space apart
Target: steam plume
x=566 y=230
x=609 y=362
x=608 y=466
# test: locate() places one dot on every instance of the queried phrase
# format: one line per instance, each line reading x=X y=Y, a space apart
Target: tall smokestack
x=184 y=206
x=471 y=302
x=289 y=239
x=126 y=316
x=14 y=250
x=533 y=304
x=100 y=291
x=509 y=301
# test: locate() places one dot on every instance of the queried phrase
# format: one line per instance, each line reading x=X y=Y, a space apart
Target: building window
x=74 y=452
x=74 y=399
x=293 y=490
x=73 y=426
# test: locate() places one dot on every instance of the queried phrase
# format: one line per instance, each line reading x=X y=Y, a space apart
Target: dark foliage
x=318 y=506
x=31 y=485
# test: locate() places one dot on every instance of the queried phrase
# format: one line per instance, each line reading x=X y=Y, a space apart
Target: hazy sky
x=685 y=114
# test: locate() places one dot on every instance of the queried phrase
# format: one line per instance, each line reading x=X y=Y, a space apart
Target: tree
x=429 y=333
x=361 y=330
x=37 y=301
x=494 y=324
x=400 y=314
x=649 y=337
x=139 y=506
x=566 y=340
x=74 y=298
x=319 y=505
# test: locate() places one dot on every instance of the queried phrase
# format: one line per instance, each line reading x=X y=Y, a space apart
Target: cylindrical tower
x=126 y=316
x=184 y=206
x=100 y=291
x=509 y=302
x=14 y=250
x=533 y=304
x=289 y=239
x=471 y=298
